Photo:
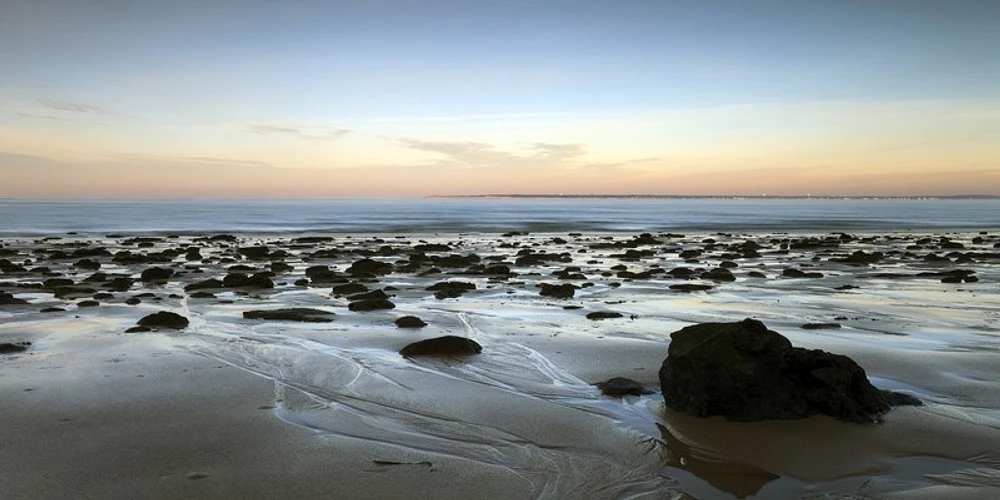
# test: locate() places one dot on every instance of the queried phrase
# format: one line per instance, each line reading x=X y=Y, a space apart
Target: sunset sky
x=254 y=98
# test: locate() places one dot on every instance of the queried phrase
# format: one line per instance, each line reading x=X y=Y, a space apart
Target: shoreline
x=215 y=409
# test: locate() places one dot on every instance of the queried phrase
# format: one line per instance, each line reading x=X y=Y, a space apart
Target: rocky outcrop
x=621 y=386
x=744 y=372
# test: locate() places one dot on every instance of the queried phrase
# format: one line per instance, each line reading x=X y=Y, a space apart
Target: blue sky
x=467 y=96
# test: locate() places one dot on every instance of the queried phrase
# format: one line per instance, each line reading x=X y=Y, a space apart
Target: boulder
x=369 y=267
x=240 y=280
x=410 y=322
x=744 y=372
x=303 y=314
x=449 y=345
x=164 y=319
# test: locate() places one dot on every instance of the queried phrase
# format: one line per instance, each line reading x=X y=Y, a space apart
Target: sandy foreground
x=230 y=407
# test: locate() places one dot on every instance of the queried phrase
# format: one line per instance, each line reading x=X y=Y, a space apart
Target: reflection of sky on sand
x=526 y=404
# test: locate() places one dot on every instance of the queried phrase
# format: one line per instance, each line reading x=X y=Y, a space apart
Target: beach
x=324 y=406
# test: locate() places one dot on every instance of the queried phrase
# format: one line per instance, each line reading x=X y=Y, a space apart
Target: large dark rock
x=14 y=347
x=240 y=280
x=8 y=299
x=370 y=305
x=369 y=267
x=557 y=291
x=410 y=322
x=744 y=372
x=164 y=319
x=303 y=314
x=156 y=274
x=449 y=345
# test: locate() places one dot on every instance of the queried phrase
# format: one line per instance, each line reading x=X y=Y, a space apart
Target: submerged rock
x=9 y=299
x=596 y=315
x=370 y=305
x=164 y=319
x=744 y=372
x=303 y=314
x=558 y=291
x=449 y=345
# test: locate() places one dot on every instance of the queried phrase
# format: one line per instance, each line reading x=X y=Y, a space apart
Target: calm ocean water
x=23 y=217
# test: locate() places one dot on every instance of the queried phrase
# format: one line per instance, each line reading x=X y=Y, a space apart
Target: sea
x=491 y=215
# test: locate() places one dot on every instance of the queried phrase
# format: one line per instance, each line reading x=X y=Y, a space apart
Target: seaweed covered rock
x=744 y=372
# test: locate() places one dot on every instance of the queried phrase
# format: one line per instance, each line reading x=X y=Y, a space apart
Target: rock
x=14 y=347
x=820 y=326
x=410 y=322
x=718 y=274
x=138 y=329
x=349 y=289
x=240 y=280
x=156 y=274
x=370 y=305
x=744 y=372
x=461 y=286
x=254 y=253
x=164 y=319
x=88 y=303
x=449 y=345
x=596 y=315
x=7 y=299
x=51 y=310
x=202 y=295
x=372 y=295
x=119 y=284
x=133 y=301
x=690 y=287
x=621 y=386
x=798 y=273
x=369 y=267
x=210 y=284
x=302 y=314
x=558 y=291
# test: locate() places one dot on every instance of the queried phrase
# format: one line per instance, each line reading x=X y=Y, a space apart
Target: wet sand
x=231 y=407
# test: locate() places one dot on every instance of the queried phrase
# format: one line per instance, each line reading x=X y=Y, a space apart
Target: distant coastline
x=717 y=197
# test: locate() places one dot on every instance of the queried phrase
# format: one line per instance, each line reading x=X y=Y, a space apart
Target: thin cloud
x=484 y=155
x=310 y=133
x=45 y=117
x=73 y=107
x=222 y=162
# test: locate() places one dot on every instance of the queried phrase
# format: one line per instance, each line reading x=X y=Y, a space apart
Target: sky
x=387 y=98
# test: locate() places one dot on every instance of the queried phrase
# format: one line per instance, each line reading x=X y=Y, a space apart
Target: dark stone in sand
x=372 y=295
x=603 y=315
x=321 y=274
x=88 y=264
x=210 y=284
x=240 y=280
x=139 y=329
x=202 y=295
x=156 y=274
x=281 y=267
x=371 y=305
x=302 y=314
x=797 y=273
x=88 y=303
x=756 y=274
x=96 y=278
x=820 y=326
x=621 y=386
x=448 y=345
x=860 y=257
x=254 y=253
x=14 y=347
x=681 y=272
x=558 y=291
x=369 y=267
x=70 y=291
x=410 y=322
x=119 y=284
x=7 y=299
x=744 y=372
x=134 y=301
x=164 y=319
x=349 y=288
x=51 y=310
x=57 y=283
x=688 y=287
x=718 y=274
x=452 y=285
